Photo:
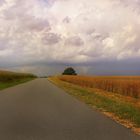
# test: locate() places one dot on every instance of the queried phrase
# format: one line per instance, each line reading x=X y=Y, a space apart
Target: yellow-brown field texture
x=6 y=76
x=125 y=85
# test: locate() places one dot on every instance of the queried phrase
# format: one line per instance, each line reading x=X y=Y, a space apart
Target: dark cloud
x=25 y=21
x=127 y=67
x=3 y=44
x=90 y=31
x=51 y=39
x=36 y=24
x=107 y=31
x=67 y=20
x=133 y=4
x=2 y=2
x=74 y=41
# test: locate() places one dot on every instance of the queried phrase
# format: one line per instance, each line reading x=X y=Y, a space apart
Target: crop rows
x=125 y=85
x=6 y=76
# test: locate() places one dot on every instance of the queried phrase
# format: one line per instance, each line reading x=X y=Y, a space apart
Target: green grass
x=8 y=78
x=121 y=109
x=8 y=84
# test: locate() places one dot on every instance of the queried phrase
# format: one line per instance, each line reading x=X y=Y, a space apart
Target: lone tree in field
x=69 y=71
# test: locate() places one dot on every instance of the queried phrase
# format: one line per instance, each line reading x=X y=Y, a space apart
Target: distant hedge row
x=6 y=76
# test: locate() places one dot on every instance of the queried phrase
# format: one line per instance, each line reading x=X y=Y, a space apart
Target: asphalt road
x=38 y=110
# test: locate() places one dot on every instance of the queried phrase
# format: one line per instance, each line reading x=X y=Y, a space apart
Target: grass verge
x=118 y=109
x=4 y=85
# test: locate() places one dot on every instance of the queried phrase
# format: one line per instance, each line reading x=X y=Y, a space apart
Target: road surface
x=38 y=110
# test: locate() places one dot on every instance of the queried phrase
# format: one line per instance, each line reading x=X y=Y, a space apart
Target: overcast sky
x=94 y=36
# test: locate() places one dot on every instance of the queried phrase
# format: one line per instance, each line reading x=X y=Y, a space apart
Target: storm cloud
x=69 y=32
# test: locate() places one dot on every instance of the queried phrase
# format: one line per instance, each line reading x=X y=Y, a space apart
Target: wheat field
x=124 y=85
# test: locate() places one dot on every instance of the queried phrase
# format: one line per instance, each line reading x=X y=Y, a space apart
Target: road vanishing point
x=38 y=110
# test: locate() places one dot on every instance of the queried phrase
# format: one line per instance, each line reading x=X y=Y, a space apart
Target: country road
x=38 y=110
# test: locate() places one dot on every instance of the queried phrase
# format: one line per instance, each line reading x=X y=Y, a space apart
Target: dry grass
x=124 y=85
x=123 y=109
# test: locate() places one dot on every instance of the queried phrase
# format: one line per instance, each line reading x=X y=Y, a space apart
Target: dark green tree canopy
x=69 y=71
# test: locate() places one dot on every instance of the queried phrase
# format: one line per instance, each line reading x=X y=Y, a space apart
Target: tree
x=69 y=71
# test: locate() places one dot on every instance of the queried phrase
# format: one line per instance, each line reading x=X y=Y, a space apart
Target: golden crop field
x=125 y=85
x=6 y=76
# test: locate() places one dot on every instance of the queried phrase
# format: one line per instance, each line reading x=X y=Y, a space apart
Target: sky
x=96 y=37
